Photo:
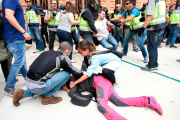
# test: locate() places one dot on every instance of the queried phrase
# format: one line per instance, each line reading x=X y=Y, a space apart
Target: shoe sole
x=8 y=93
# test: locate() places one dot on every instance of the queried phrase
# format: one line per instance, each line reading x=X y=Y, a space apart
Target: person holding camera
x=34 y=24
x=52 y=17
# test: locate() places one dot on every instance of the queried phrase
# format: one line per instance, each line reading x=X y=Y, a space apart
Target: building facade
x=110 y=4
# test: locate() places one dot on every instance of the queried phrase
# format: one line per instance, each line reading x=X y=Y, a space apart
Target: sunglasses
x=128 y=3
x=28 y=1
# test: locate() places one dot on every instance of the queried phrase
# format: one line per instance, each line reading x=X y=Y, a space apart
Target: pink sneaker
x=155 y=105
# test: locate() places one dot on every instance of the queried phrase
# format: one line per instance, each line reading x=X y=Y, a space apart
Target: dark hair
x=53 y=0
x=69 y=8
x=68 y=2
x=75 y=10
x=90 y=2
x=100 y=10
x=84 y=44
x=65 y=46
x=171 y=6
x=131 y=1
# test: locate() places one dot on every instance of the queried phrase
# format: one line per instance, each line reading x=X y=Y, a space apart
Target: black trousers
x=52 y=38
x=74 y=36
x=4 y=66
x=44 y=32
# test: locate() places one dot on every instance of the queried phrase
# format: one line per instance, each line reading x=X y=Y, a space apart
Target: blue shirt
x=135 y=12
x=9 y=32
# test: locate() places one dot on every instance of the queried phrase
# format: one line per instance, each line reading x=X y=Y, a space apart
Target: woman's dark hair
x=84 y=44
x=69 y=8
x=75 y=10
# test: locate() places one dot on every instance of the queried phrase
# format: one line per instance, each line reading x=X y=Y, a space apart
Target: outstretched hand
x=72 y=84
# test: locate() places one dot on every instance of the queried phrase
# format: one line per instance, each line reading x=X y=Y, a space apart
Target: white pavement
x=132 y=81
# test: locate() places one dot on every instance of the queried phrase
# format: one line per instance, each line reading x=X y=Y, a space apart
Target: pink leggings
x=105 y=92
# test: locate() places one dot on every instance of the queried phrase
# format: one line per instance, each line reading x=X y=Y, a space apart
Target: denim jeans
x=129 y=35
x=118 y=35
x=18 y=49
x=111 y=40
x=52 y=85
x=153 y=38
x=174 y=31
x=87 y=36
x=126 y=30
x=36 y=34
x=65 y=36
x=144 y=36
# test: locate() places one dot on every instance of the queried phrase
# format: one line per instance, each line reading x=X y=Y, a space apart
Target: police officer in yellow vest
x=52 y=17
x=34 y=24
x=118 y=32
x=155 y=23
x=174 y=26
x=87 y=19
x=135 y=26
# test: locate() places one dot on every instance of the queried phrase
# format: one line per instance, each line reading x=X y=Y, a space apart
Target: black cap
x=62 y=7
x=38 y=5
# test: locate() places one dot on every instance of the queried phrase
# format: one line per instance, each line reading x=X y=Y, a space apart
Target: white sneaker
x=116 y=88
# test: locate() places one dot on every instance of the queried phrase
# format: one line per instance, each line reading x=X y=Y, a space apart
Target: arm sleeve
x=8 y=4
x=123 y=14
x=87 y=15
x=37 y=11
x=67 y=66
x=151 y=7
x=70 y=15
x=135 y=12
x=91 y=69
x=96 y=25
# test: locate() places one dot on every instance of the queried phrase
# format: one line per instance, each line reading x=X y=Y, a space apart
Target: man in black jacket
x=45 y=77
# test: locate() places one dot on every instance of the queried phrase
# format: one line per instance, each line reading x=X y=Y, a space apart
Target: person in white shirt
x=103 y=34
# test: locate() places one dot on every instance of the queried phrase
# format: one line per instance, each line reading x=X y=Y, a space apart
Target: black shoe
x=9 y=91
x=173 y=47
x=84 y=69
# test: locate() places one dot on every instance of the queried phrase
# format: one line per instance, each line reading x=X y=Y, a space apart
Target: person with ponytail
x=109 y=62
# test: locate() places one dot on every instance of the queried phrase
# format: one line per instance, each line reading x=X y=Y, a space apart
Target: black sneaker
x=9 y=91
x=173 y=47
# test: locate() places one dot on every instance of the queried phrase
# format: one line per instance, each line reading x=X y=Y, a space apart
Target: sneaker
x=145 y=59
x=83 y=68
x=159 y=46
x=36 y=51
x=124 y=54
x=167 y=45
x=156 y=68
x=173 y=47
x=135 y=49
x=155 y=105
x=9 y=91
x=41 y=51
x=73 y=61
x=147 y=69
x=18 y=95
x=116 y=88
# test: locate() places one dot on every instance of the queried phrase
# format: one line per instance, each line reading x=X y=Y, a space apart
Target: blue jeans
x=153 y=38
x=18 y=49
x=129 y=35
x=118 y=34
x=36 y=34
x=144 y=36
x=111 y=40
x=174 y=30
x=65 y=36
x=52 y=85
